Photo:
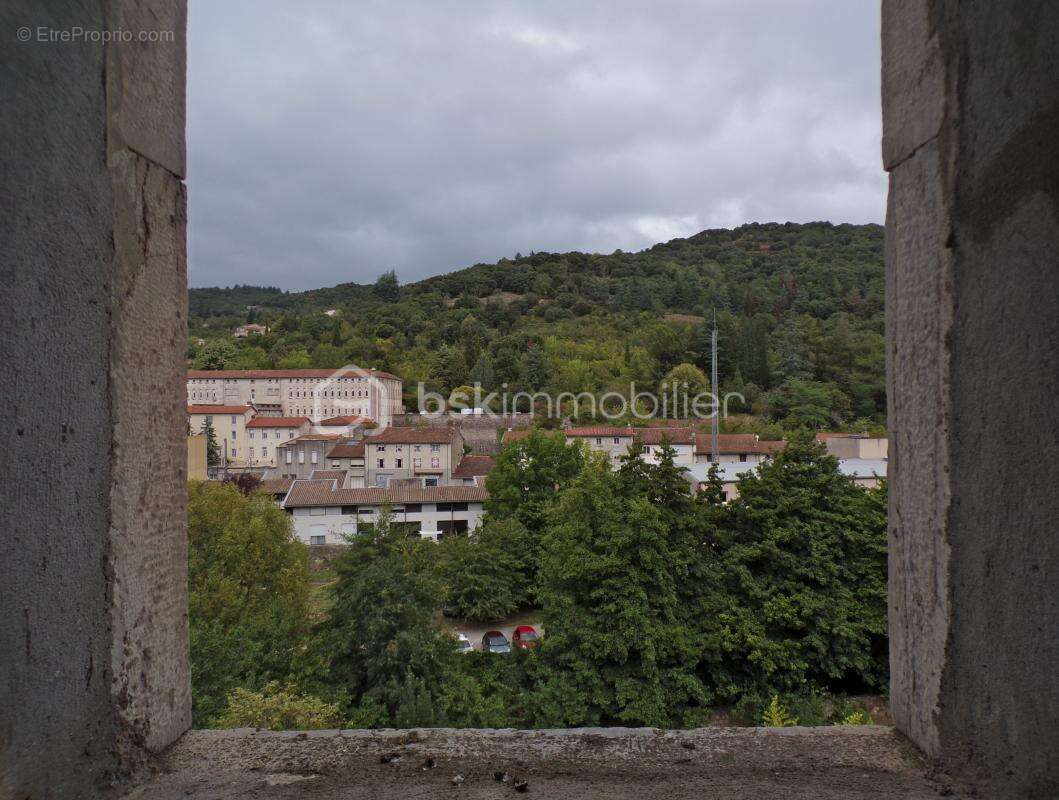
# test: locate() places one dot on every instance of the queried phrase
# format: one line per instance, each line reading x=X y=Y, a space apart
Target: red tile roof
x=277 y=422
x=320 y=493
x=413 y=436
x=328 y=475
x=736 y=443
x=315 y=437
x=599 y=430
x=646 y=435
x=347 y=420
x=218 y=409
x=673 y=435
x=347 y=451
x=474 y=466
x=264 y=374
x=276 y=485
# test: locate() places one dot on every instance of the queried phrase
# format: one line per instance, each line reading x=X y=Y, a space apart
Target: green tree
x=615 y=636
x=378 y=639
x=277 y=708
x=490 y=575
x=387 y=286
x=213 y=449
x=248 y=584
x=215 y=354
x=527 y=477
x=804 y=571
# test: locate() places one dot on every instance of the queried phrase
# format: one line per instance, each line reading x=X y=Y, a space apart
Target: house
x=735 y=448
x=472 y=469
x=615 y=441
x=325 y=513
x=429 y=454
x=229 y=428
x=265 y=434
x=246 y=330
x=349 y=456
x=314 y=393
x=298 y=457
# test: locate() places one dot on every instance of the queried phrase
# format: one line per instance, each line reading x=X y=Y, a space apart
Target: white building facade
x=314 y=393
x=325 y=513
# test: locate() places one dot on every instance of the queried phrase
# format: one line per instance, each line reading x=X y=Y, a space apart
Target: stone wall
x=93 y=647
x=971 y=141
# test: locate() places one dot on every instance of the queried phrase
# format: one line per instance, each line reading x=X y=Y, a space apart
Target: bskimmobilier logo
x=352 y=391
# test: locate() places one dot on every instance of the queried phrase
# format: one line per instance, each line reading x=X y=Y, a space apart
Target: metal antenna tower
x=715 y=455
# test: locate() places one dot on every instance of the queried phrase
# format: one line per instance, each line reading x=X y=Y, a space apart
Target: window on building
x=317 y=539
x=290 y=456
x=435 y=448
x=413 y=508
x=264 y=452
x=417 y=448
x=349 y=510
x=234 y=418
x=435 y=462
x=301 y=456
x=313 y=457
x=381 y=463
x=400 y=462
x=233 y=436
x=380 y=448
x=317 y=511
x=251 y=452
x=430 y=481
x=617 y=440
x=251 y=434
x=417 y=462
x=599 y=440
x=233 y=452
x=742 y=456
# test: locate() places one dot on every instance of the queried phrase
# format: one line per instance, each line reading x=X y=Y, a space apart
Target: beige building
x=197 y=464
x=229 y=427
x=855 y=445
x=314 y=393
x=429 y=454
x=265 y=434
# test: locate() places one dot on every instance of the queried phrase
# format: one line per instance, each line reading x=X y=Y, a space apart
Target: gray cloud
x=329 y=142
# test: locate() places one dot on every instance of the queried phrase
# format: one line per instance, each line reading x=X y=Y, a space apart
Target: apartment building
x=265 y=434
x=315 y=393
x=229 y=427
x=429 y=454
x=325 y=513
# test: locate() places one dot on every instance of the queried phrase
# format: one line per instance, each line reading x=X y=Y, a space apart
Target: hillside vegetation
x=799 y=309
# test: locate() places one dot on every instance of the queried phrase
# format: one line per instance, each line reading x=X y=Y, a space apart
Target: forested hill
x=799 y=309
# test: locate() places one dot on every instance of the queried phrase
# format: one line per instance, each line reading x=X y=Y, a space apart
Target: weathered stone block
x=146 y=82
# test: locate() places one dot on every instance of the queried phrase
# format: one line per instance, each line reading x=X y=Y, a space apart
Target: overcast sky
x=332 y=141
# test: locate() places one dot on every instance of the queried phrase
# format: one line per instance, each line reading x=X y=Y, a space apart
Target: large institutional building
x=314 y=393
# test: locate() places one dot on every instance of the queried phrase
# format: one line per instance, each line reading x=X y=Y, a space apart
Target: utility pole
x=715 y=455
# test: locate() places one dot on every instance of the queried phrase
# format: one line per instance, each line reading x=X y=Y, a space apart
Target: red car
x=525 y=637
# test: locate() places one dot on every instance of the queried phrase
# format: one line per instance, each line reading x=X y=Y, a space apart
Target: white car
x=463 y=644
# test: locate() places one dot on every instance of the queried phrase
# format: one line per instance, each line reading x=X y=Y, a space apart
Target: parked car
x=495 y=642
x=463 y=644
x=525 y=637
